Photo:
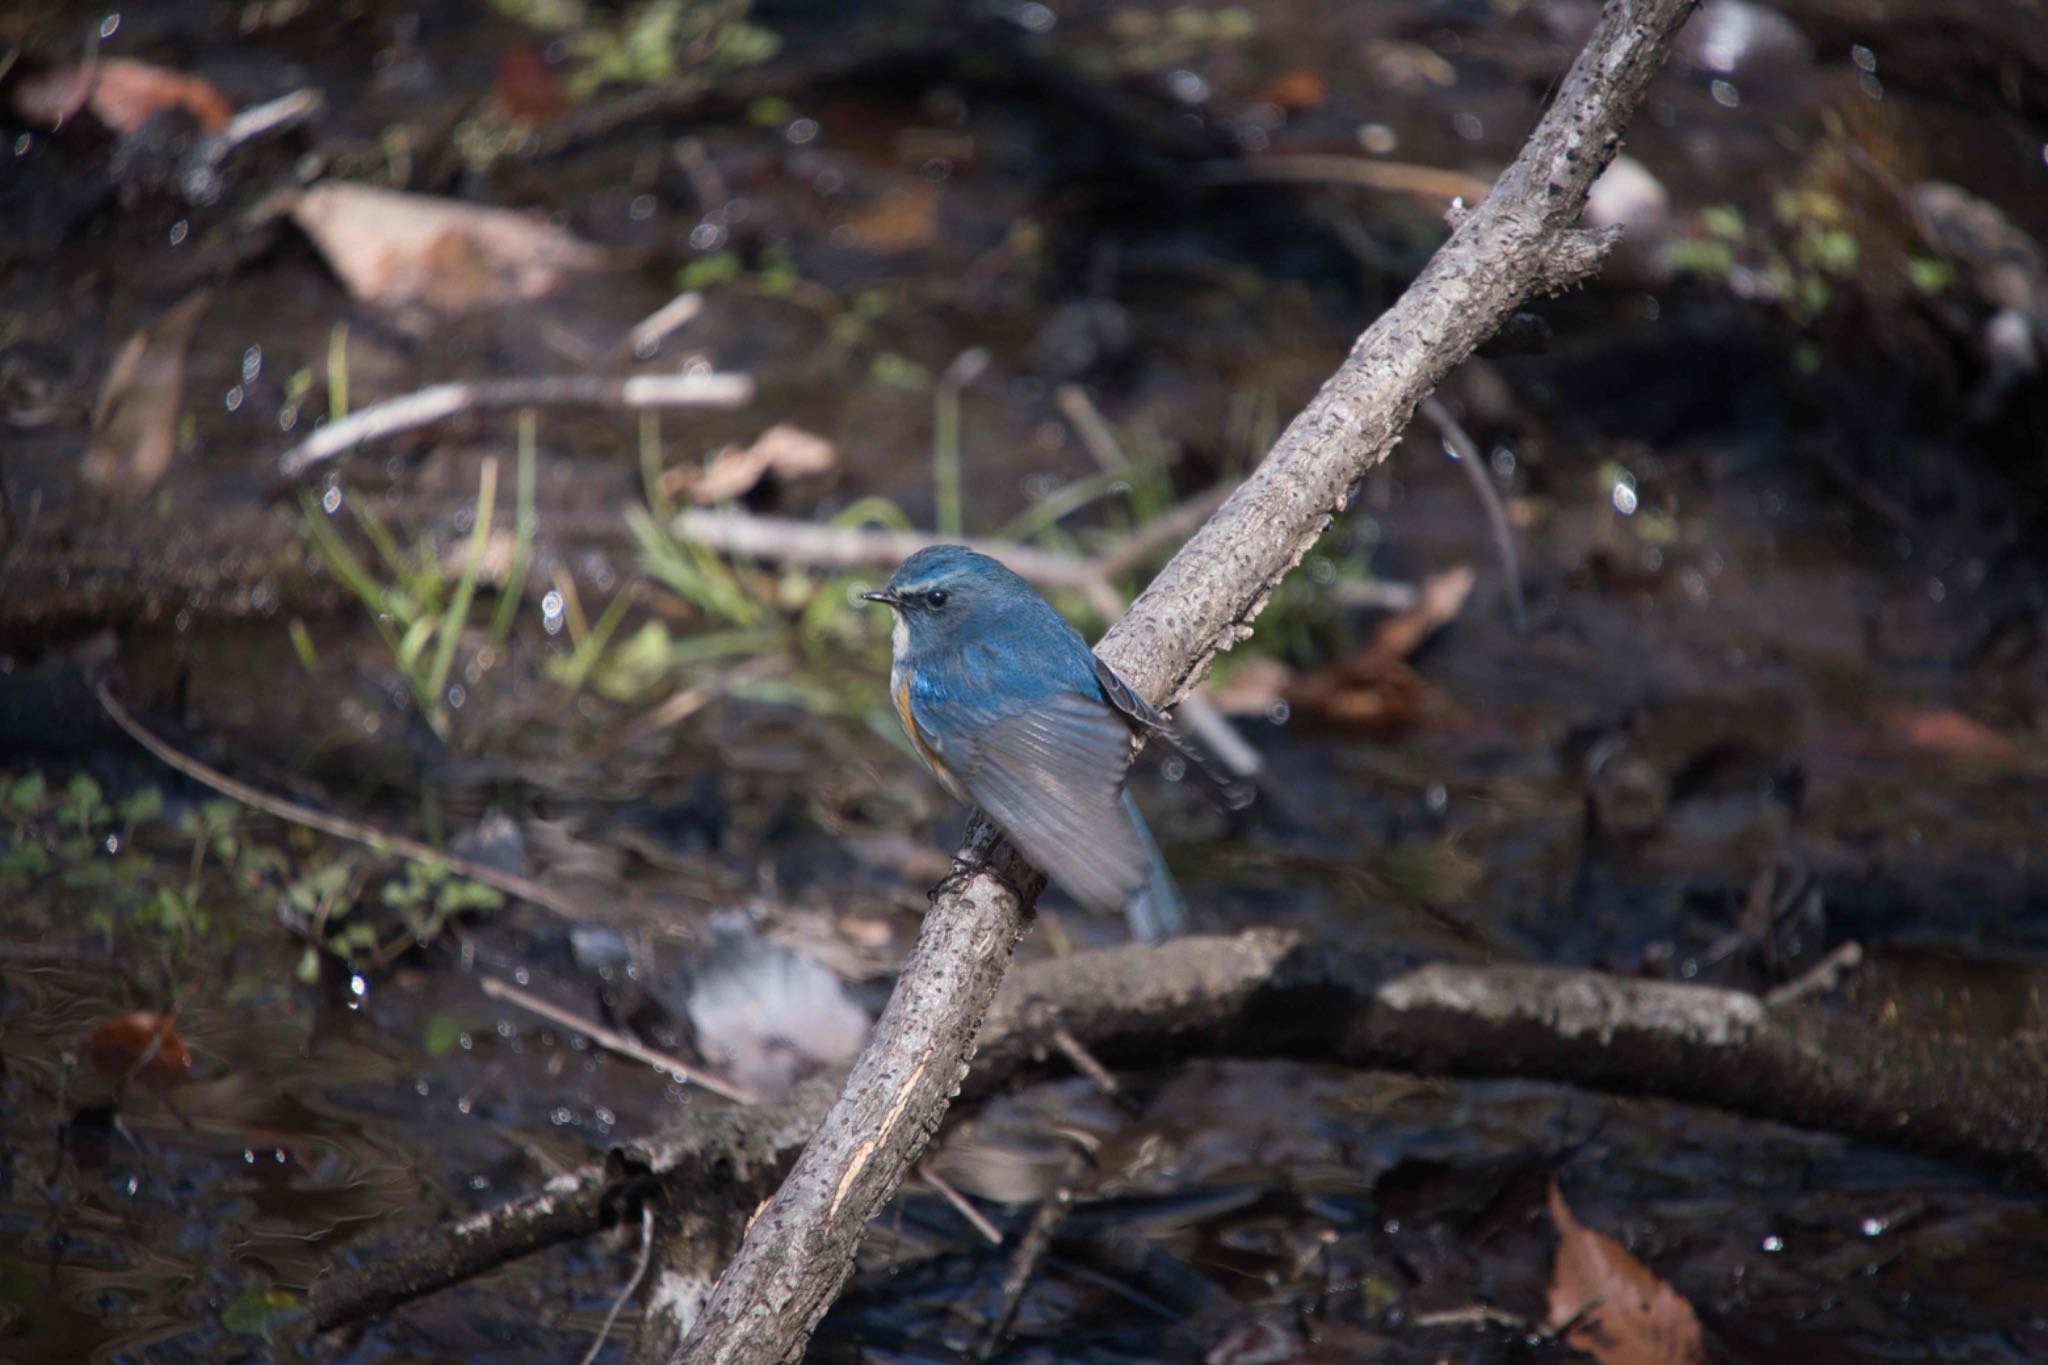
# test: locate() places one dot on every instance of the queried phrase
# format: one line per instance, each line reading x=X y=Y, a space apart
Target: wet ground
x=1779 y=519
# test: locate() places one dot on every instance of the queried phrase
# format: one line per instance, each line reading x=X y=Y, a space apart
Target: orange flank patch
x=924 y=750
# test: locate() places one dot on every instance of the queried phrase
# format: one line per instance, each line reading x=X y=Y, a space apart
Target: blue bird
x=1008 y=707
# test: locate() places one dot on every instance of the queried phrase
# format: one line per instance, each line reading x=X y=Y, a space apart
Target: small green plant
x=649 y=43
x=421 y=612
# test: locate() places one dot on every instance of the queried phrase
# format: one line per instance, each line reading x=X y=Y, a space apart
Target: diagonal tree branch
x=1521 y=240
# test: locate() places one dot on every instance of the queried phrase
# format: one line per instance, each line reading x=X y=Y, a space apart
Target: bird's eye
x=935 y=598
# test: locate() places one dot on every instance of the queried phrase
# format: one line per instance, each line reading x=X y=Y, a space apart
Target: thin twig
x=632 y=1285
x=438 y=402
x=340 y=826
x=1314 y=168
x=979 y=1221
x=646 y=335
x=1024 y=1267
x=1466 y=450
x=1083 y=1060
x=1822 y=977
x=614 y=1042
x=1092 y=427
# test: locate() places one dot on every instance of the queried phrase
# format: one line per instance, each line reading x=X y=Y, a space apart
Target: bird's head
x=943 y=590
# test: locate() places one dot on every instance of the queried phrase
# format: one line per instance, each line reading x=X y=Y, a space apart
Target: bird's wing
x=1124 y=698
x=1051 y=776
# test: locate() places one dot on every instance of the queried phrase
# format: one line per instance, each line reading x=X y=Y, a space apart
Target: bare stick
x=1822 y=977
x=639 y=1274
x=1272 y=993
x=974 y=1216
x=614 y=1042
x=439 y=402
x=340 y=826
x=1084 y=1061
x=1466 y=449
x=1521 y=240
x=1314 y=168
x=1024 y=1267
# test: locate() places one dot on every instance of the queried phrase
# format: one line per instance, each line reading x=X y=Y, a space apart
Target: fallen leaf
x=1296 y=91
x=401 y=252
x=528 y=87
x=1442 y=597
x=1384 y=698
x=1943 y=733
x=1638 y=1320
x=142 y=1046
x=135 y=422
x=1374 y=690
x=782 y=450
x=905 y=218
x=122 y=93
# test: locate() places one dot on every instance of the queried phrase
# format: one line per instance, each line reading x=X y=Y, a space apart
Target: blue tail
x=1157 y=912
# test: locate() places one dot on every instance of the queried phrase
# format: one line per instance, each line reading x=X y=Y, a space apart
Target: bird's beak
x=885 y=597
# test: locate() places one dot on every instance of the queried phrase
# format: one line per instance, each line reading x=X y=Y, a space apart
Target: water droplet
x=800 y=131
x=180 y=230
x=641 y=209
x=1873 y=1227
x=1437 y=798
x=234 y=399
x=1378 y=139
x=465 y=1041
x=330 y=501
x=248 y=1156
x=1623 y=495
x=252 y=364
x=357 y=986
x=23 y=143
x=110 y=25
x=522 y=976
x=1725 y=94
x=551 y=610
x=1187 y=87
x=707 y=236
x=113 y=843
x=1279 y=712
x=1937 y=590
x=1773 y=1243
x=1469 y=126
x=1865 y=59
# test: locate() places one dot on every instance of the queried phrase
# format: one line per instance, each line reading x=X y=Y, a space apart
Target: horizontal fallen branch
x=439 y=402
x=1268 y=993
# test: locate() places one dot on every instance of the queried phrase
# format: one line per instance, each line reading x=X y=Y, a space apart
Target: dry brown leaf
x=1441 y=598
x=1296 y=91
x=407 y=251
x=135 y=422
x=1382 y=698
x=1374 y=690
x=143 y=1047
x=122 y=93
x=1639 y=1320
x=782 y=450
x=1942 y=733
x=906 y=218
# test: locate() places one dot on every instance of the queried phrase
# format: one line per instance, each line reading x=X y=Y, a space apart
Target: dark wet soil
x=1783 y=686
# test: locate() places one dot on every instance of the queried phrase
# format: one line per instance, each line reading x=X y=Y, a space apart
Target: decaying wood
x=1520 y=241
x=1270 y=993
